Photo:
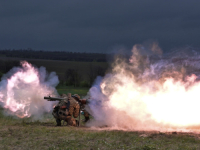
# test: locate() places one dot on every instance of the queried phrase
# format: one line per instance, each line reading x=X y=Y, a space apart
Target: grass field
x=60 y=67
x=73 y=90
x=26 y=134
x=23 y=134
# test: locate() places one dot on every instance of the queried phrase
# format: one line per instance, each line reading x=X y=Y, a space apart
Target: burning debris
x=22 y=90
x=149 y=92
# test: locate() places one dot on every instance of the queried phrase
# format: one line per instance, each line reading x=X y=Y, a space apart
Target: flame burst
x=22 y=90
x=149 y=93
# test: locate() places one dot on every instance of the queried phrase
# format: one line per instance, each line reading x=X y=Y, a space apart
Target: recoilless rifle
x=80 y=101
x=54 y=98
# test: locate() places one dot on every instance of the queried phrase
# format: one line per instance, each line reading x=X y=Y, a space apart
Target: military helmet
x=77 y=96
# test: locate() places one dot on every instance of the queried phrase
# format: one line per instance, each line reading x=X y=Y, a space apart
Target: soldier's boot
x=87 y=119
x=58 y=121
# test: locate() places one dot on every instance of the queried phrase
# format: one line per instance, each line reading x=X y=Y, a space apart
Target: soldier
x=67 y=110
x=82 y=102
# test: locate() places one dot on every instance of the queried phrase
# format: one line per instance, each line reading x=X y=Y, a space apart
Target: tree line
x=54 y=55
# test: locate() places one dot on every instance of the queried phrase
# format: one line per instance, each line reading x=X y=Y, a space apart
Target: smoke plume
x=22 y=90
x=149 y=91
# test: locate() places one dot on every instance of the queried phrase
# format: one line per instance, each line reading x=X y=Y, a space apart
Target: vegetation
x=5 y=66
x=25 y=134
x=74 y=90
x=70 y=73
x=54 y=55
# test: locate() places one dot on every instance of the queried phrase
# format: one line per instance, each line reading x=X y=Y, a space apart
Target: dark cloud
x=98 y=26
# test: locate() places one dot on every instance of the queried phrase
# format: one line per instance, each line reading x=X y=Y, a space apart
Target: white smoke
x=148 y=92
x=22 y=90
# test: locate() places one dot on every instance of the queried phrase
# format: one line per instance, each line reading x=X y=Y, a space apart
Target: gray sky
x=98 y=25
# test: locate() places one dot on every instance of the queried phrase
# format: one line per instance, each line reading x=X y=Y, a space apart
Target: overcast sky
x=98 y=25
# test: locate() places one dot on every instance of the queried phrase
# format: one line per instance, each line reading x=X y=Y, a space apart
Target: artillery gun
x=66 y=99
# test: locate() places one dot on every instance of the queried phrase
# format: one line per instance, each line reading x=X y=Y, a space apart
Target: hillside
x=85 y=72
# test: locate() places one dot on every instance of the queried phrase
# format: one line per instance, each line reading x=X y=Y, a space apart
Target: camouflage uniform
x=67 y=110
x=85 y=113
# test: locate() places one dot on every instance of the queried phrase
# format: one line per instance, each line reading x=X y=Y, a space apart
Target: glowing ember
x=148 y=93
x=22 y=90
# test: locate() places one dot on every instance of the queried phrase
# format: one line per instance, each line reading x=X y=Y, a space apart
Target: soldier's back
x=72 y=101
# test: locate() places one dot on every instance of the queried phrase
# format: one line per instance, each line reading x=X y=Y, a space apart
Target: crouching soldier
x=67 y=110
x=82 y=103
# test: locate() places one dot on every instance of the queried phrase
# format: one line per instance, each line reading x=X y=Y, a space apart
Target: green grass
x=46 y=136
x=16 y=133
x=74 y=90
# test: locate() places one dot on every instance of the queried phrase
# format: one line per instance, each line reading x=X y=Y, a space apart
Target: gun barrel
x=54 y=98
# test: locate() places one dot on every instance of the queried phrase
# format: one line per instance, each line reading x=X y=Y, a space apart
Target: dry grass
x=23 y=134
x=26 y=134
